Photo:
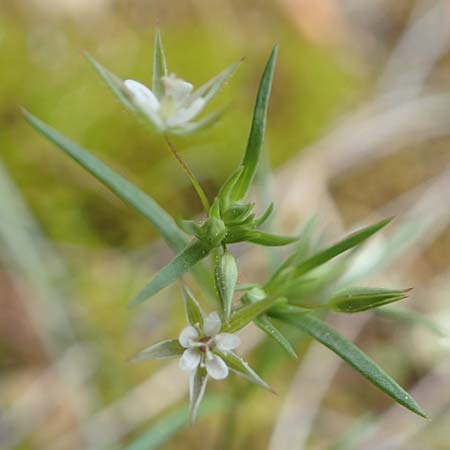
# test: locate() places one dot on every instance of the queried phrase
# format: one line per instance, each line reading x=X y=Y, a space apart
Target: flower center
x=207 y=344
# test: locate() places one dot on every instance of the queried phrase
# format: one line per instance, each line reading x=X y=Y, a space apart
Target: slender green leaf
x=125 y=190
x=159 y=67
x=161 y=350
x=264 y=323
x=351 y=354
x=170 y=424
x=243 y=316
x=258 y=128
x=241 y=368
x=342 y=246
x=182 y=262
x=358 y=299
x=193 y=311
x=226 y=273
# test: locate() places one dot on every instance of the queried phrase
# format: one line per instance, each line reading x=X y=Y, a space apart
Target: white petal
x=190 y=359
x=227 y=341
x=183 y=115
x=187 y=335
x=143 y=97
x=216 y=367
x=176 y=88
x=212 y=324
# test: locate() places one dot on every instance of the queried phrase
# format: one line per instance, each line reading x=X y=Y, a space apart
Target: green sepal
x=162 y=350
x=208 y=90
x=159 y=67
x=193 y=311
x=119 y=89
x=197 y=388
x=241 y=368
x=179 y=265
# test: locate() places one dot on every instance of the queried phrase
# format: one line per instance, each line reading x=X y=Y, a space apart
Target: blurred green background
x=68 y=285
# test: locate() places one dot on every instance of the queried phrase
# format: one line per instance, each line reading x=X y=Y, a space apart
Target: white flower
x=176 y=108
x=201 y=343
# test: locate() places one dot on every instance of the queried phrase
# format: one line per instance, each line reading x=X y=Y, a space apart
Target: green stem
x=198 y=189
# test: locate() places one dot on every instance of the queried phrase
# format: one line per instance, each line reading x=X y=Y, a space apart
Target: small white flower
x=176 y=108
x=201 y=344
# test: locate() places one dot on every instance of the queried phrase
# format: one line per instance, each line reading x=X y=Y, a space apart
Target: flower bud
x=226 y=274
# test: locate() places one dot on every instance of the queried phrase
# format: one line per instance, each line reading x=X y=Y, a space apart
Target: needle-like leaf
x=182 y=262
x=351 y=241
x=242 y=317
x=264 y=323
x=320 y=331
x=258 y=128
x=125 y=190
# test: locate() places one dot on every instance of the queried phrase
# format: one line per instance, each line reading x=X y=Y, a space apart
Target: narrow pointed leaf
x=182 y=262
x=358 y=299
x=161 y=350
x=159 y=67
x=241 y=368
x=226 y=275
x=242 y=317
x=342 y=246
x=258 y=128
x=317 y=329
x=197 y=387
x=125 y=190
x=264 y=323
x=193 y=311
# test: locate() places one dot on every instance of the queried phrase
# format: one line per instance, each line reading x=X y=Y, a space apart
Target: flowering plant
x=298 y=292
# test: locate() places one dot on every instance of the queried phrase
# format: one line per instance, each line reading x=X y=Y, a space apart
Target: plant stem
x=198 y=189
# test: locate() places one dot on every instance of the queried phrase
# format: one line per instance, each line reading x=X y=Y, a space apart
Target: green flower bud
x=361 y=299
x=226 y=274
